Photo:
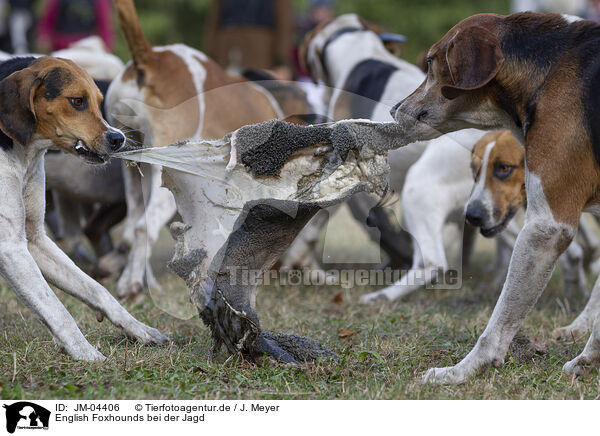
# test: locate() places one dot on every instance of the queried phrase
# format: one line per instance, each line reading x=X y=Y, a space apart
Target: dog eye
x=78 y=103
x=502 y=171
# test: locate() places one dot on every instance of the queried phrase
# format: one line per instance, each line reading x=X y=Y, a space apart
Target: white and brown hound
x=44 y=103
x=168 y=94
x=537 y=75
x=498 y=166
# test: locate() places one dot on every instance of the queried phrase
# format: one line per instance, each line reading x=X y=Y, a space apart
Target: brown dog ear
x=473 y=59
x=309 y=54
x=17 y=115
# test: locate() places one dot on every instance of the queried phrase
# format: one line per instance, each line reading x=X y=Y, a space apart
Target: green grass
x=385 y=360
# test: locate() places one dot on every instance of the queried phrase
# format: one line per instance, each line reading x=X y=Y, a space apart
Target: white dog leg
x=505 y=243
x=590 y=354
x=537 y=248
x=24 y=277
x=135 y=200
x=64 y=274
x=583 y=323
x=429 y=257
x=573 y=273
x=160 y=208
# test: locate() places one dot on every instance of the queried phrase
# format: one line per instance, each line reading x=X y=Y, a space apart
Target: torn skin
x=244 y=217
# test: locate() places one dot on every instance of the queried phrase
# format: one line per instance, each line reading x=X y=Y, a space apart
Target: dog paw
x=86 y=353
x=146 y=334
x=578 y=365
x=374 y=298
x=575 y=366
x=129 y=291
x=573 y=330
x=447 y=375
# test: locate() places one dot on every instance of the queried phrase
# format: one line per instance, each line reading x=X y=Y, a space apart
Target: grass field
x=386 y=359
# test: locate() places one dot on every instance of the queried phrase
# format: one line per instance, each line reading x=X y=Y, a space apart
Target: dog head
x=57 y=100
x=311 y=52
x=454 y=95
x=499 y=170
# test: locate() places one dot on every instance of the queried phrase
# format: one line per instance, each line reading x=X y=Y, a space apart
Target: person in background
x=66 y=21
x=243 y=34
x=21 y=22
x=16 y=19
x=319 y=11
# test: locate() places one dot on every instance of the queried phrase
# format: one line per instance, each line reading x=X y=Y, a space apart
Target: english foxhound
x=537 y=75
x=498 y=166
x=49 y=102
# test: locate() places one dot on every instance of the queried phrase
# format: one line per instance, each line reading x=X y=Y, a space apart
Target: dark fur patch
x=508 y=103
x=537 y=38
x=55 y=81
x=366 y=83
x=103 y=87
x=530 y=109
x=590 y=98
x=6 y=69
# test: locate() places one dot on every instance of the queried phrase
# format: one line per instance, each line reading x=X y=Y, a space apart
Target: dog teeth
x=79 y=147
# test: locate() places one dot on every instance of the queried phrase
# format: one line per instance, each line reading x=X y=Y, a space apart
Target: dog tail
x=140 y=48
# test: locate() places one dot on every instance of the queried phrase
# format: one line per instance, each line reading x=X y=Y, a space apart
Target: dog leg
x=64 y=274
x=537 y=248
x=98 y=226
x=134 y=197
x=583 y=323
x=505 y=243
x=160 y=209
x=24 y=277
x=573 y=273
x=20 y=271
x=590 y=354
x=382 y=229
x=428 y=258
x=469 y=239
x=114 y=262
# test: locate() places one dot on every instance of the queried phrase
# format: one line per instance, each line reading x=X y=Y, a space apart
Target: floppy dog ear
x=17 y=115
x=473 y=59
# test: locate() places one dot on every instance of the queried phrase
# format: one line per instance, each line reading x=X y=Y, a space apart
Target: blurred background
x=196 y=23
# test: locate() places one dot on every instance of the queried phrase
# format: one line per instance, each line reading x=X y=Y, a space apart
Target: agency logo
x=26 y=416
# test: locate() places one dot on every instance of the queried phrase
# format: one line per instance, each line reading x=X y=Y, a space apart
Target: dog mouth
x=493 y=231
x=82 y=150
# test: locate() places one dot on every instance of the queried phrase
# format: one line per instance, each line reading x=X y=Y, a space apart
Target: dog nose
x=475 y=215
x=115 y=139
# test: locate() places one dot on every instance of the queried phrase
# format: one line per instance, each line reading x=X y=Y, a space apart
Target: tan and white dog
x=536 y=74
x=498 y=166
x=165 y=95
x=44 y=103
